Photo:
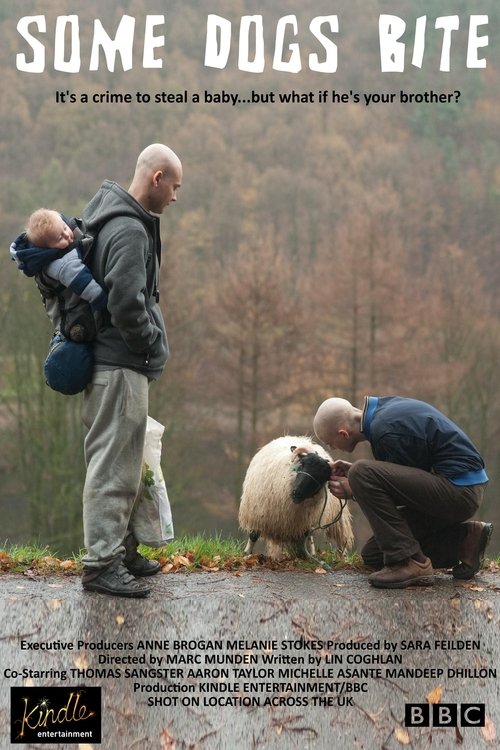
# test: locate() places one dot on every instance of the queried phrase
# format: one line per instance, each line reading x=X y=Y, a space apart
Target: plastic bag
x=151 y=520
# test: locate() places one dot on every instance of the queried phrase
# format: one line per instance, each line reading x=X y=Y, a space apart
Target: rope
x=318 y=483
x=337 y=518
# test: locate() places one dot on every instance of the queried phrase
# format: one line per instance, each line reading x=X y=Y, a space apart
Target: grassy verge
x=192 y=553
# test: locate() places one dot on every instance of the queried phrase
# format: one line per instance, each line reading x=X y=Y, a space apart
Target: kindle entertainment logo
x=445 y=715
x=55 y=715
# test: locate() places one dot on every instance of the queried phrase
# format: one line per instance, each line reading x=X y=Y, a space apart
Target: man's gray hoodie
x=126 y=262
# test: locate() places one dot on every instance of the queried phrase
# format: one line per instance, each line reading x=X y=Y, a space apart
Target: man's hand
x=340 y=468
x=339 y=483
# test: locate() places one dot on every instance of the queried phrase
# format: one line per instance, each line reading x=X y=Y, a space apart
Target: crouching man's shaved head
x=338 y=424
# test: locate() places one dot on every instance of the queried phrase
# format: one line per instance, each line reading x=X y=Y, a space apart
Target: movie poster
x=335 y=234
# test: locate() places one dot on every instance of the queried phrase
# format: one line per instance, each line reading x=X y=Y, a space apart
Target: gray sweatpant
x=115 y=411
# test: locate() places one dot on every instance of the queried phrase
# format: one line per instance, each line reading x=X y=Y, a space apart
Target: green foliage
x=194 y=552
x=45 y=428
x=148 y=476
x=202 y=547
x=26 y=553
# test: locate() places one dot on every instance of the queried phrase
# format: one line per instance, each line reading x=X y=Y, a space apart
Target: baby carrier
x=75 y=309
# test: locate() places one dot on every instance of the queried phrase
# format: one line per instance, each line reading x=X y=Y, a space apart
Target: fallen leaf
x=181 y=560
x=49 y=560
x=251 y=559
x=435 y=695
x=28 y=682
x=55 y=603
x=84 y=747
x=488 y=731
x=167 y=568
x=402 y=736
x=120 y=619
x=320 y=571
x=167 y=742
x=81 y=661
x=209 y=570
x=374 y=717
x=67 y=564
x=455 y=602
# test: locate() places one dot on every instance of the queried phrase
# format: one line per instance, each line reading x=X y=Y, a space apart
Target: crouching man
x=426 y=481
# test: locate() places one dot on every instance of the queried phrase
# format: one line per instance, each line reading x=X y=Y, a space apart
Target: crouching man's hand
x=339 y=483
x=340 y=468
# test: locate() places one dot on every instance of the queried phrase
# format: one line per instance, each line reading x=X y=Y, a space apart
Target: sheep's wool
x=266 y=502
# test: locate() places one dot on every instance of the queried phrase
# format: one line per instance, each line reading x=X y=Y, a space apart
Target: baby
x=54 y=252
x=47 y=228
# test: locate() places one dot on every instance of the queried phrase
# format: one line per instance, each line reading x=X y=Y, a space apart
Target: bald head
x=337 y=424
x=157 y=177
x=157 y=156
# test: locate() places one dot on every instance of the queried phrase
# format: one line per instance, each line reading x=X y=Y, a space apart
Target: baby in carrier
x=53 y=250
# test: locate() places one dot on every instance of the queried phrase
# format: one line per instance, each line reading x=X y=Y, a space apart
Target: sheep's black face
x=312 y=473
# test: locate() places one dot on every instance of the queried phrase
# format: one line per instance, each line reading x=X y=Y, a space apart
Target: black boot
x=115 y=580
x=135 y=563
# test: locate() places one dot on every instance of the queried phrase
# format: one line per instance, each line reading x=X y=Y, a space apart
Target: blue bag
x=69 y=365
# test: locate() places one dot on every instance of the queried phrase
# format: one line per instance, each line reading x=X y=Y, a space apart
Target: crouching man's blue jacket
x=412 y=433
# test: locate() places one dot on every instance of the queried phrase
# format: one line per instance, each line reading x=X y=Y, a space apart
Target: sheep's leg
x=309 y=544
x=252 y=538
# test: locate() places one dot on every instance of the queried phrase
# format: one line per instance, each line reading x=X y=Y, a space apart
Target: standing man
x=129 y=351
x=426 y=480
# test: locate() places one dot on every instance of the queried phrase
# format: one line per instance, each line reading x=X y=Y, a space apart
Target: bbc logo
x=445 y=715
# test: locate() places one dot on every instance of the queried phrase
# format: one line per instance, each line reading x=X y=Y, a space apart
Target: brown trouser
x=411 y=511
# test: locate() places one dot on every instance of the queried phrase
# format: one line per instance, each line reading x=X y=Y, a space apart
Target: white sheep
x=267 y=507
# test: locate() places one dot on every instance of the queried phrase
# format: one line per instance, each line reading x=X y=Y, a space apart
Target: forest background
x=316 y=249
